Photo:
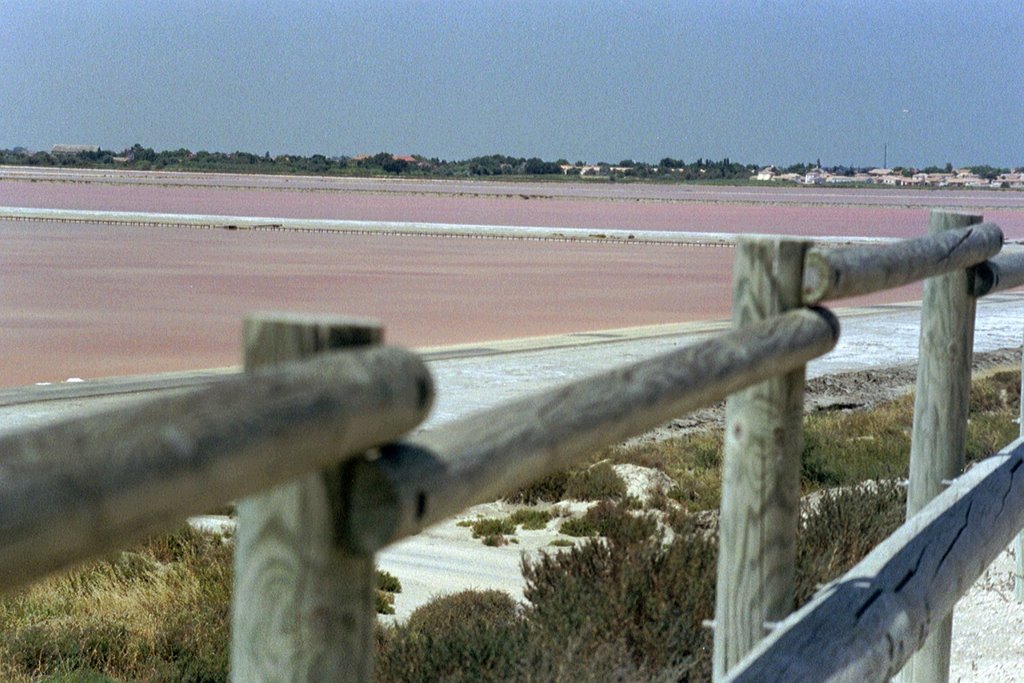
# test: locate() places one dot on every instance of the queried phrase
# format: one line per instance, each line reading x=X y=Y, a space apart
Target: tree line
x=138 y=157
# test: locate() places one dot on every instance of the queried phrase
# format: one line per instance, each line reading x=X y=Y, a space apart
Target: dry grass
x=157 y=613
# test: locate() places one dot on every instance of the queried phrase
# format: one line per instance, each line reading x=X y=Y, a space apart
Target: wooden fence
x=313 y=438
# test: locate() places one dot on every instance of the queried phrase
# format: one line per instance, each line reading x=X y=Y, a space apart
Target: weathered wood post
x=302 y=608
x=1018 y=543
x=761 y=467
x=939 y=436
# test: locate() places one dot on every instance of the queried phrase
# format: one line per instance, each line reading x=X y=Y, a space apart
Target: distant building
x=814 y=177
x=74 y=149
x=1014 y=180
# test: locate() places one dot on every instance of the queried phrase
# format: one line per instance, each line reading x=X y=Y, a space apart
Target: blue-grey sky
x=595 y=80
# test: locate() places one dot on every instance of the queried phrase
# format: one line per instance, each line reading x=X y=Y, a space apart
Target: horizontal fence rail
x=484 y=456
x=1001 y=272
x=865 y=625
x=838 y=273
x=79 y=488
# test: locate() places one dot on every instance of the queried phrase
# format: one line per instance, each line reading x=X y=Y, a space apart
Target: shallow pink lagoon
x=407 y=203
x=97 y=300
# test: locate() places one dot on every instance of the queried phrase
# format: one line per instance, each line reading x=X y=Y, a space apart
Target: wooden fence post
x=1018 y=543
x=302 y=608
x=761 y=465
x=939 y=437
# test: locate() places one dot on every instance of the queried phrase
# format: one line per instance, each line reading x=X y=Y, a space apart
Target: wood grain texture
x=939 y=437
x=303 y=607
x=760 y=506
x=484 y=456
x=862 y=627
x=838 y=273
x=79 y=488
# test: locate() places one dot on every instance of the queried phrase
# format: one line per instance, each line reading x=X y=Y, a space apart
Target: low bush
x=388 y=582
x=468 y=636
x=550 y=489
x=492 y=526
x=638 y=602
x=530 y=519
x=997 y=391
x=598 y=482
x=577 y=527
x=843 y=526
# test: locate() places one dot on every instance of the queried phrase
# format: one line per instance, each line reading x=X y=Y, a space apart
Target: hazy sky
x=759 y=82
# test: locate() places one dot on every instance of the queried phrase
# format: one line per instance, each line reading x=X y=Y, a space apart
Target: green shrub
x=491 y=526
x=998 y=391
x=531 y=519
x=616 y=521
x=383 y=602
x=598 y=482
x=388 y=582
x=450 y=611
x=577 y=527
x=697 y=489
x=384 y=595
x=468 y=636
x=638 y=602
x=550 y=489
x=611 y=520
x=844 y=526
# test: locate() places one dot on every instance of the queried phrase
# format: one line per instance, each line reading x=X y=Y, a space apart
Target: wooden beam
x=863 y=626
x=83 y=487
x=484 y=456
x=938 y=440
x=303 y=606
x=760 y=508
x=1001 y=272
x=831 y=274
